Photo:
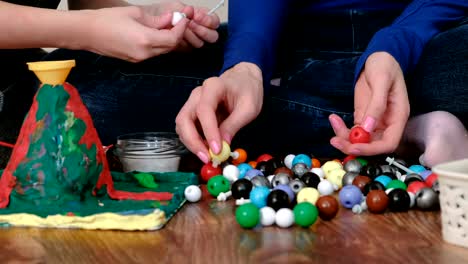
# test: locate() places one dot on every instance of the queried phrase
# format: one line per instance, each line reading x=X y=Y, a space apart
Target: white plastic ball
x=193 y=193
x=270 y=178
x=267 y=216
x=325 y=187
x=288 y=160
x=319 y=172
x=176 y=17
x=231 y=172
x=284 y=218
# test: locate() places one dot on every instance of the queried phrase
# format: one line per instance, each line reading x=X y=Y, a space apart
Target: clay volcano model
x=58 y=168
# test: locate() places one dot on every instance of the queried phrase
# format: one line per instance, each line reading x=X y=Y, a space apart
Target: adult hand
x=220 y=108
x=381 y=107
x=131 y=34
x=201 y=28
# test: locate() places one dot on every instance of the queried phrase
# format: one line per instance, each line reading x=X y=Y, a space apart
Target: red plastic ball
x=348 y=158
x=415 y=186
x=359 y=135
x=431 y=179
x=208 y=171
x=264 y=157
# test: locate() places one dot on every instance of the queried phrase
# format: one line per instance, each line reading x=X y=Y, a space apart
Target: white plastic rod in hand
x=391 y=161
x=221 y=3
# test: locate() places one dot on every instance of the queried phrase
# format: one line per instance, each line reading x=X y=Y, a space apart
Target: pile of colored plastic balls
x=298 y=189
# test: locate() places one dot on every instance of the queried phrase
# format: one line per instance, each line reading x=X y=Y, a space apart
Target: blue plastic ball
x=417 y=168
x=252 y=173
x=383 y=179
x=287 y=190
x=302 y=158
x=350 y=195
x=258 y=196
x=243 y=168
x=425 y=174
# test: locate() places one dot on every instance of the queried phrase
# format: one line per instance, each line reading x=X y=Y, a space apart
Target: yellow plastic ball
x=223 y=155
x=308 y=194
x=330 y=166
x=336 y=177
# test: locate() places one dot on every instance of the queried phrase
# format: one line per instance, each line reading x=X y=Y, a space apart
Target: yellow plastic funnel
x=52 y=72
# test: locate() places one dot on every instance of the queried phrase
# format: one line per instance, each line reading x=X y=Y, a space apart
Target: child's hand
x=131 y=34
x=202 y=27
x=381 y=107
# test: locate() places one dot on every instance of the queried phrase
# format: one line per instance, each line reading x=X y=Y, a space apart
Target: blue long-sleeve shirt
x=255 y=26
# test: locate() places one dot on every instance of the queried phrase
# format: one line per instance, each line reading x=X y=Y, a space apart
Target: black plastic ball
x=241 y=189
x=371 y=171
x=412 y=177
x=399 y=200
x=278 y=199
x=372 y=186
x=310 y=179
x=265 y=167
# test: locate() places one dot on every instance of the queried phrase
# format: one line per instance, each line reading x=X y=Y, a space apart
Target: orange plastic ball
x=316 y=163
x=253 y=164
x=241 y=156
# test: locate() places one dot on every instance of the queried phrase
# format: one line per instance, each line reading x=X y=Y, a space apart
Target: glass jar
x=150 y=151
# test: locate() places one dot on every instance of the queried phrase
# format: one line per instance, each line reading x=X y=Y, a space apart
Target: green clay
x=146 y=180
x=174 y=182
x=57 y=168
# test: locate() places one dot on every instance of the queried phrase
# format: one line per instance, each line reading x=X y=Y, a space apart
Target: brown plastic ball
x=327 y=206
x=361 y=181
x=284 y=170
x=377 y=201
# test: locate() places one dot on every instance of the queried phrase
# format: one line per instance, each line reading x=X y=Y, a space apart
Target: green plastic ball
x=362 y=161
x=396 y=184
x=248 y=215
x=217 y=185
x=305 y=214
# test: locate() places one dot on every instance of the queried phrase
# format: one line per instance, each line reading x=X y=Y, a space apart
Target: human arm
x=222 y=106
x=201 y=28
x=381 y=101
x=136 y=38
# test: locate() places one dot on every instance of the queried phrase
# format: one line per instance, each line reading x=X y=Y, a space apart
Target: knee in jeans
x=445 y=121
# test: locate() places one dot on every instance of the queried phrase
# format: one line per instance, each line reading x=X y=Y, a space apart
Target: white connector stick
x=222 y=197
x=176 y=17
x=221 y=3
x=242 y=201
x=391 y=161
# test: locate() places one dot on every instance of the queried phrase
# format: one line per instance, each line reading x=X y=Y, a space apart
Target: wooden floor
x=207 y=232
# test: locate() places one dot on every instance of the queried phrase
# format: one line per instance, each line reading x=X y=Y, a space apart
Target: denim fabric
x=316 y=80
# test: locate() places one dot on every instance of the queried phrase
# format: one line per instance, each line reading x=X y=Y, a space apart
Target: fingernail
x=355 y=152
x=215 y=147
x=369 y=124
x=203 y=157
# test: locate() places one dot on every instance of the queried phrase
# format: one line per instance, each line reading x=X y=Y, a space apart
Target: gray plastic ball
x=353 y=166
x=258 y=181
x=348 y=178
x=427 y=199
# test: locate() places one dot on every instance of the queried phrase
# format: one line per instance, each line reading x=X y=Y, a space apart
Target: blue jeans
x=316 y=67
